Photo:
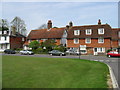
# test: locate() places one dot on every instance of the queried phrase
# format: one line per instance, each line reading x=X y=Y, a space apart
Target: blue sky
x=61 y=13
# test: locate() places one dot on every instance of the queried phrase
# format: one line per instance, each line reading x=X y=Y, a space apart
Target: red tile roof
x=46 y=33
x=94 y=34
x=26 y=43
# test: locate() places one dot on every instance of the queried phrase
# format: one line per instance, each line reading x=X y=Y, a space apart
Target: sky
x=61 y=13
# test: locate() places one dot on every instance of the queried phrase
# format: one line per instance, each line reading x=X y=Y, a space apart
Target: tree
x=4 y=25
x=48 y=44
x=43 y=26
x=34 y=45
x=19 y=24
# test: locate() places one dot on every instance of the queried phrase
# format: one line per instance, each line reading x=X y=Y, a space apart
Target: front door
x=95 y=51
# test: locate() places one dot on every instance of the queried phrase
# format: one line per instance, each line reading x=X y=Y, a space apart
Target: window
x=29 y=41
x=44 y=40
x=76 y=32
x=100 y=40
x=23 y=39
x=83 y=49
x=101 y=31
x=100 y=49
x=88 y=40
x=88 y=31
x=76 y=41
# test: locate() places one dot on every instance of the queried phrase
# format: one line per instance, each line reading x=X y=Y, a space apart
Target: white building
x=4 y=40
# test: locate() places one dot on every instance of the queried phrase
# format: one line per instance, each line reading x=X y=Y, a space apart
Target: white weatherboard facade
x=4 y=41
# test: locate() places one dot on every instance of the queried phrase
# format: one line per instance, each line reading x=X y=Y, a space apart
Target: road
x=114 y=63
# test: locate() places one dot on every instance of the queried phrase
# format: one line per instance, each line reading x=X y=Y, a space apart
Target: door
x=95 y=51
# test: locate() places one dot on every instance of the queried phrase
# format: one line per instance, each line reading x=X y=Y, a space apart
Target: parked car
x=72 y=52
x=113 y=54
x=26 y=52
x=9 y=51
x=56 y=52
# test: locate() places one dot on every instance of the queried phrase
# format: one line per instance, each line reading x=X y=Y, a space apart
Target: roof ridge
x=89 y=25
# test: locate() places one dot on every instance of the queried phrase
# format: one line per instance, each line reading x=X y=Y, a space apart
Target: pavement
x=113 y=63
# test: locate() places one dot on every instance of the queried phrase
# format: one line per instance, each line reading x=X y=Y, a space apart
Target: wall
x=16 y=42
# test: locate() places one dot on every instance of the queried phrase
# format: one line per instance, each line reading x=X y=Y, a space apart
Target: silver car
x=26 y=52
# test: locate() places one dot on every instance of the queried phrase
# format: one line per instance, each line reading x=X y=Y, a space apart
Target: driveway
x=114 y=63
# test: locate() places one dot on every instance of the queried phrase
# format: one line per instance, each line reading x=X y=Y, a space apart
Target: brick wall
x=16 y=42
x=94 y=43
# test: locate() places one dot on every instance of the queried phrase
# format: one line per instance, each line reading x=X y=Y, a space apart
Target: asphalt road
x=114 y=63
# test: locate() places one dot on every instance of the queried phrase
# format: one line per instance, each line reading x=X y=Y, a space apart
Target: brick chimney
x=67 y=27
x=99 y=22
x=49 y=24
x=70 y=24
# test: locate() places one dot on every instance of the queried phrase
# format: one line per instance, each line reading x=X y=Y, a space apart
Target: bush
x=38 y=50
x=60 y=48
x=109 y=50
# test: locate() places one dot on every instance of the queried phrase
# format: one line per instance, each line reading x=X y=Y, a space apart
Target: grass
x=36 y=72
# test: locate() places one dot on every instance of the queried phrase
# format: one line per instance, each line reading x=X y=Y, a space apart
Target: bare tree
x=20 y=25
x=43 y=26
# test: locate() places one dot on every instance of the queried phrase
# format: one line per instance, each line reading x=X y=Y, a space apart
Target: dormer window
x=101 y=31
x=88 y=31
x=76 y=32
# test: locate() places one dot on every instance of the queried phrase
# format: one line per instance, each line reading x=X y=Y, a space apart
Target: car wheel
x=109 y=56
x=51 y=54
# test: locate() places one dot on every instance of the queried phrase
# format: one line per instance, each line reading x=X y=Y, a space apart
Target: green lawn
x=36 y=72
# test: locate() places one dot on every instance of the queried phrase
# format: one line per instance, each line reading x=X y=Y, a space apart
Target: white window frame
x=101 y=31
x=99 y=40
x=23 y=39
x=86 y=40
x=29 y=41
x=88 y=31
x=76 y=32
x=75 y=41
x=101 y=49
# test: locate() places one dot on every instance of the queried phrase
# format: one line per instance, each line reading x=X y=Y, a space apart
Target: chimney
x=13 y=30
x=99 y=22
x=49 y=25
x=70 y=24
x=67 y=27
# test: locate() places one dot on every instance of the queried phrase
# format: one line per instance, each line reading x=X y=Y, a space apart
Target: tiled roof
x=94 y=34
x=26 y=43
x=46 y=33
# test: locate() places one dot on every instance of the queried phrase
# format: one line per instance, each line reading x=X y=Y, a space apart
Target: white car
x=72 y=52
x=26 y=52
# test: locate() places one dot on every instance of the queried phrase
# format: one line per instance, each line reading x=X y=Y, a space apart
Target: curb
x=114 y=81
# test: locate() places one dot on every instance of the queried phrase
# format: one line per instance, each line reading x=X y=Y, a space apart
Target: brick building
x=88 y=39
x=41 y=35
x=11 y=40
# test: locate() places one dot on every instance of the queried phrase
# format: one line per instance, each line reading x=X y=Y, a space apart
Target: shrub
x=109 y=50
x=60 y=48
x=38 y=50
